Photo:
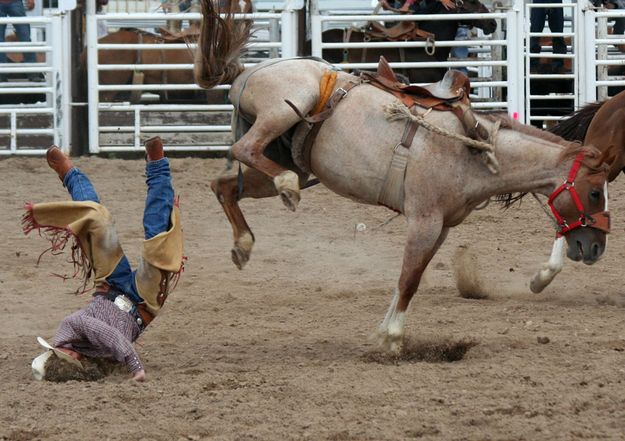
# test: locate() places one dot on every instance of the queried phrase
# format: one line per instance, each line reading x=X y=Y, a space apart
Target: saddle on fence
x=402 y=31
x=191 y=33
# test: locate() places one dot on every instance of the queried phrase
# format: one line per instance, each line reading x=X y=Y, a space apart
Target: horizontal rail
x=26 y=110
x=21 y=49
x=182 y=148
x=406 y=65
x=26 y=90
x=552 y=97
x=27 y=131
x=179 y=16
x=131 y=129
x=116 y=107
x=412 y=17
x=25 y=20
x=124 y=87
x=24 y=152
x=175 y=46
x=408 y=44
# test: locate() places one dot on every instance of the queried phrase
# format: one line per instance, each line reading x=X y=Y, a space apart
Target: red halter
x=600 y=220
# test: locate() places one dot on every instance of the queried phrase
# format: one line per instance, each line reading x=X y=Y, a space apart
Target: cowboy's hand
x=448 y=4
x=139 y=375
x=30 y=4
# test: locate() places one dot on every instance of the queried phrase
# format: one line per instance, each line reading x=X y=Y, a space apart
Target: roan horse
x=441 y=30
x=601 y=125
x=444 y=181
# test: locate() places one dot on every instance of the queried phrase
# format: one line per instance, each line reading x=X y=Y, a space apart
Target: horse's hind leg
x=226 y=188
x=250 y=147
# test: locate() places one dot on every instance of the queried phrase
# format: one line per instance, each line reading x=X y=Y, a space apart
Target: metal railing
x=105 y=137
x=49 y=116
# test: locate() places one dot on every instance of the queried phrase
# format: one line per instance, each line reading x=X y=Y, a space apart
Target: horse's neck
x=528 y=163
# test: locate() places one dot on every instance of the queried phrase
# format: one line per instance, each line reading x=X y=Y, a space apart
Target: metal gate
x=123 y=126
x=29 y=129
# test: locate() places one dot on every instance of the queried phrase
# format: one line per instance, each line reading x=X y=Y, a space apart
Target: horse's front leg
x=550 y=270
x=425 y=236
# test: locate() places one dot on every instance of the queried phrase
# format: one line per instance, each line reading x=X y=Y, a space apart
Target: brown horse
x=156 y=56
x=356 y=148
x=601 y=125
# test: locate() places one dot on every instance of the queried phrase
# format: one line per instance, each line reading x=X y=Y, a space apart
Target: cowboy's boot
x=154 y=149
x=58 y=161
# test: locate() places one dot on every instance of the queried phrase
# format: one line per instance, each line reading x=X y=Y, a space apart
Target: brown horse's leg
x=425 y=237
x=255 y=185
x=249 y=150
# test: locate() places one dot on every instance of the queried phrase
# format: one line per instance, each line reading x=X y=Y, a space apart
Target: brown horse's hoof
x=239 y=257
x=242 y=249
x=290 y=199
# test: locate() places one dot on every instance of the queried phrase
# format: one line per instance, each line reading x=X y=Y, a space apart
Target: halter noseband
x=599 y=220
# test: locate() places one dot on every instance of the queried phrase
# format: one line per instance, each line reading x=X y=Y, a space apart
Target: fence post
x=315 y=29
x=61 y=79
x=92 y=77
x=516 y=59
x=586 y=69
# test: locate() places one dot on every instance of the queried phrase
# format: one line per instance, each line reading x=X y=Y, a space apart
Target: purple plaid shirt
x=101 y=329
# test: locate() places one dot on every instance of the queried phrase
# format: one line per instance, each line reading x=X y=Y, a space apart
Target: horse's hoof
x=391 y=344
x=290 y=199
x=242 y=249
x=537 y=285
x=287 y=184
x=239 y=257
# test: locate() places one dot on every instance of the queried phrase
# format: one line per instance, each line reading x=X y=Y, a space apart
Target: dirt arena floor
x=281 y=350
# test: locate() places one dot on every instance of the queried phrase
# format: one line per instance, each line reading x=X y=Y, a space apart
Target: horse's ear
x=608 y=156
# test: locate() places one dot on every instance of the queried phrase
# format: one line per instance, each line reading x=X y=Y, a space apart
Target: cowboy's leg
x=537 y=24
x=79 y=186
x=160 y=197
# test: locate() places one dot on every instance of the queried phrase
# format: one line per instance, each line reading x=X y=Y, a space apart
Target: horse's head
x=580 y=205
x=474 y=7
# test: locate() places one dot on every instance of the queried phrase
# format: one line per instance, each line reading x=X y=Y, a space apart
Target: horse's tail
x=575 y=127
x=220 y=44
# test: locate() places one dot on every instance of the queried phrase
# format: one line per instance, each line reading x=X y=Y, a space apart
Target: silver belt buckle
x=123 y=303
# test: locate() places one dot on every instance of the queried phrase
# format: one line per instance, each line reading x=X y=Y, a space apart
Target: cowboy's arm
x=102 y=340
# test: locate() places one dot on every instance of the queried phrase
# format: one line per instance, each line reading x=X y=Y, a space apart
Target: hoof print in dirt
x=429 y=351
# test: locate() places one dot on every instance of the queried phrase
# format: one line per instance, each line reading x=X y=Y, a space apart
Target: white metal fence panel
x=122 y=126
x=34 y=115
x=492 y=59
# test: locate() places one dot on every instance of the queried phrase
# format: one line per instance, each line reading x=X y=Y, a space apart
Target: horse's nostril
x=595 y=250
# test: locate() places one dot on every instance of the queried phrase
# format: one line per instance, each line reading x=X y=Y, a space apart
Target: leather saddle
x=191 y=33
x=449 y=94
x=402 y=31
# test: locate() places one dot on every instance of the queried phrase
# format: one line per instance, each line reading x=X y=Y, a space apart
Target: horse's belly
x=354 y=148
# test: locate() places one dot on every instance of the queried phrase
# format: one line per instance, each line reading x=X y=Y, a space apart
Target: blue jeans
x=555 y=17
x=461 y=51
x=15 y=9
x=158 y=205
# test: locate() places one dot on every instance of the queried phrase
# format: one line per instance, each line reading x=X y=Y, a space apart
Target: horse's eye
x=595 y=195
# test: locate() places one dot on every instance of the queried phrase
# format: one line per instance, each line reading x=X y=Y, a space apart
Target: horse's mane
x=570 y=150
x=575 y=127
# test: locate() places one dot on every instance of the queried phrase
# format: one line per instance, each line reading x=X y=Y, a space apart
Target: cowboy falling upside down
x=125 y=301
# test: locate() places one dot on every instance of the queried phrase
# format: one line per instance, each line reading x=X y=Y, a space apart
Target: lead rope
x=397 y=111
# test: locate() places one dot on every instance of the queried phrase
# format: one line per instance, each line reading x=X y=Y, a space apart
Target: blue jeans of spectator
x=15 y=9
x=461 y=51
x=158 y=205
x=555 y=17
